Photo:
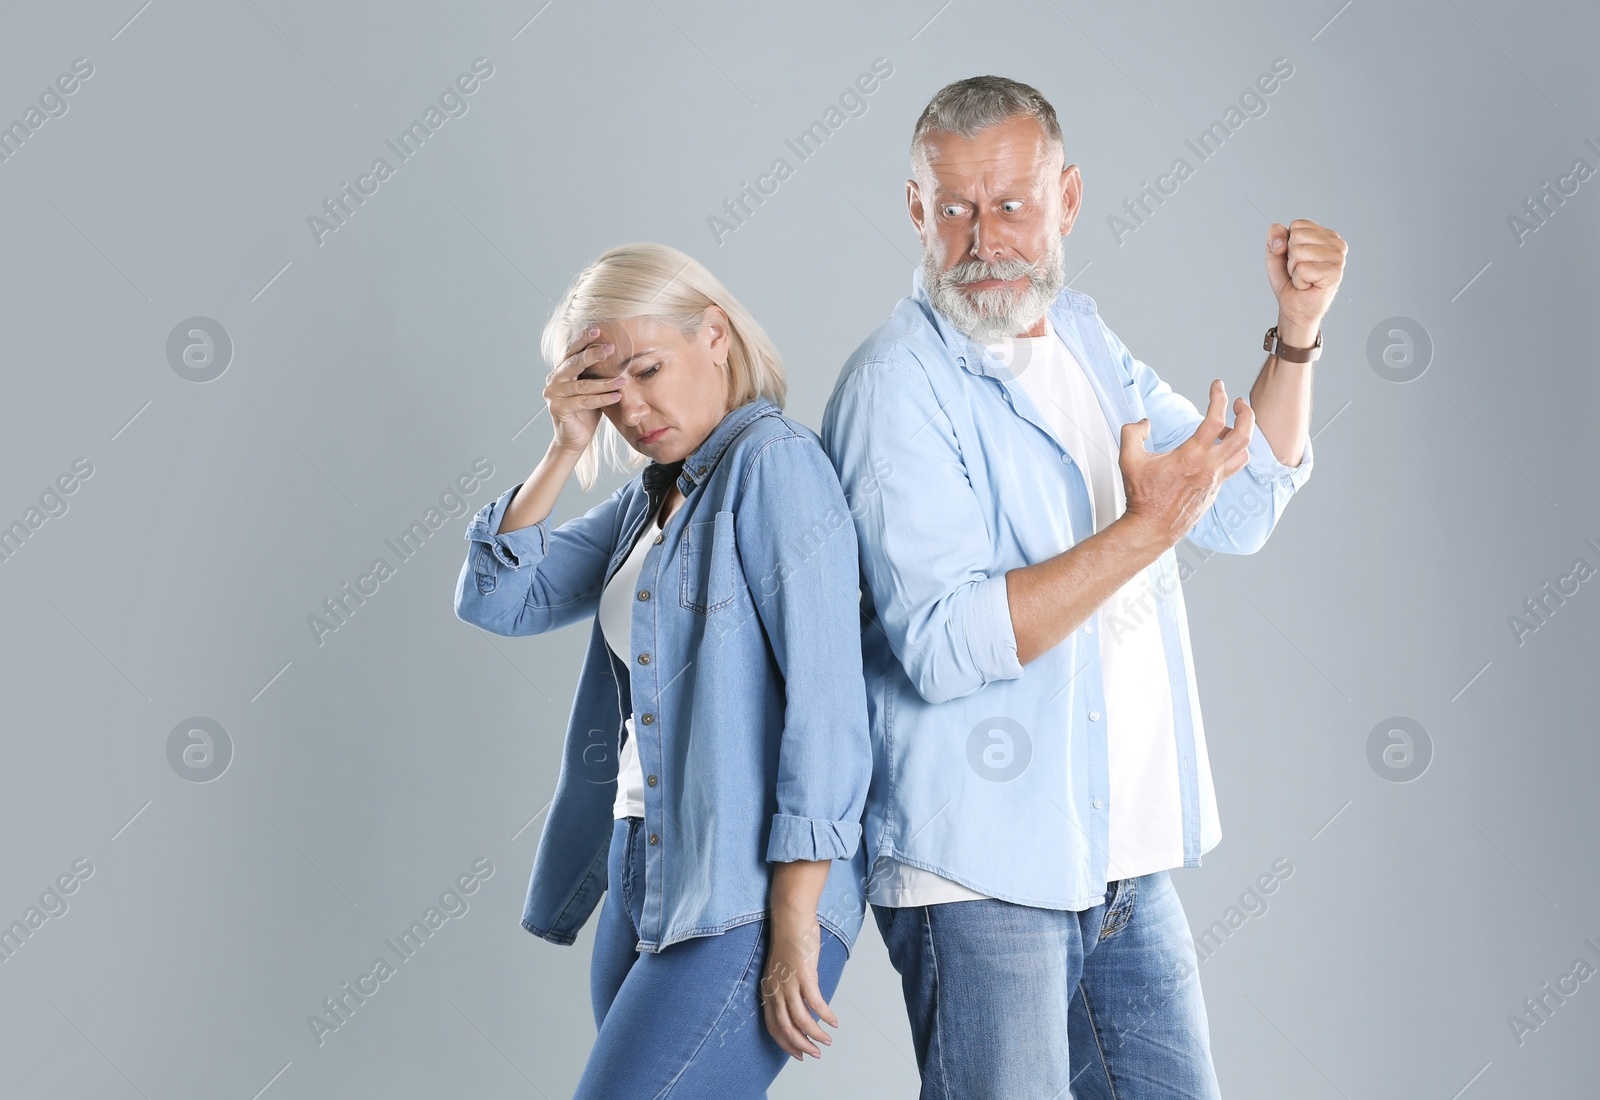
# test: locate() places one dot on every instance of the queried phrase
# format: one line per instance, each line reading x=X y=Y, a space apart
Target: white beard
x=989 y=315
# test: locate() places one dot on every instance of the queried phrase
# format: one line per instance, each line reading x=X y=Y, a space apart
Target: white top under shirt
x=1145 y=825
x=616 y=623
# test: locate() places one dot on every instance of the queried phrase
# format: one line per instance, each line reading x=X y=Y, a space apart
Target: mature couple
x=945 y=634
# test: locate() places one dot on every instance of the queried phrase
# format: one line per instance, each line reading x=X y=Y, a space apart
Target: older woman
x=717 y=755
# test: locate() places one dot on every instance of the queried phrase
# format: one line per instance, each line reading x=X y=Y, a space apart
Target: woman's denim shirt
x=744 y=677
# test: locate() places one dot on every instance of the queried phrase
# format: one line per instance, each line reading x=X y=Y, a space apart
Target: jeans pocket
x=1120 y=910
x=706 y=565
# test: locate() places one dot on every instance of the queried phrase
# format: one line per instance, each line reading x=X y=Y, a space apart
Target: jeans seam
x=933 y=957
x=755 y=952
x=1094 y=1029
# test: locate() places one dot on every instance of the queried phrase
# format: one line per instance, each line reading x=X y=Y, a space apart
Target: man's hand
x=1168 y=493
x=1305 y=263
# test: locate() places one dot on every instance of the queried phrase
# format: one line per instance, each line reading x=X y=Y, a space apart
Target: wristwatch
x=1288 y=352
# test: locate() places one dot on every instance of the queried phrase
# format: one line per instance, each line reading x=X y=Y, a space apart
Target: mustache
x=972 y=271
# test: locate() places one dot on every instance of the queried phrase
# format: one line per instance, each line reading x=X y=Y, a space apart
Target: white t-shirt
x=616 y=624
x=1145 y=825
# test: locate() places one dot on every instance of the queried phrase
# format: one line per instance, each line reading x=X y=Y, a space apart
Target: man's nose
x=987 y=242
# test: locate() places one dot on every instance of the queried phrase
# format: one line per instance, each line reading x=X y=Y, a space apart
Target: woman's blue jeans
x=1012 y=1002
x=684 y=1022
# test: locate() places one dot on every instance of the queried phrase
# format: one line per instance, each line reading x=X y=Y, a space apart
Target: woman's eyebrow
x=621 y=366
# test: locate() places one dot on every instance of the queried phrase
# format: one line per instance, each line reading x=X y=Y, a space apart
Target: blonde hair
x=669 y=286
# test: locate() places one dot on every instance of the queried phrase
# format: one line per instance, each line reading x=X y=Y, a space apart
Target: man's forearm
x=1281 y=396
x=1050 y=599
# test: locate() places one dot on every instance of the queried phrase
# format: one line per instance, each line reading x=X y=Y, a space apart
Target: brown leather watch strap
x=1288 y=352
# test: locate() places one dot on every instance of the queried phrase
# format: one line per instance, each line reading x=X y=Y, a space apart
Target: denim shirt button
x=647 y=718
x=659 y=537
x=644 y=593
x=644 y=658
x=651 y=781
x=654 y=839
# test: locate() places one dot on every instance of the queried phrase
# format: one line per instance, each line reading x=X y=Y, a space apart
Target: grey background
x=368 y=372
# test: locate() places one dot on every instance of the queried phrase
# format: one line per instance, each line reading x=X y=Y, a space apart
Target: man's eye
x=1013 y=206
x=951 y=211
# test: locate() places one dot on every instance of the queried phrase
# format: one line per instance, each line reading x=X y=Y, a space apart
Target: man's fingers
x=1216 y=411
x=1133 y=436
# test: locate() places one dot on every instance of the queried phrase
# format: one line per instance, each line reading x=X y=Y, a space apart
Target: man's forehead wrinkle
x=996 y=176
x=1008 y=169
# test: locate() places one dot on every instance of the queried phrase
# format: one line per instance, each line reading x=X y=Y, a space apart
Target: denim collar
x=968 y=352
x=693 y=470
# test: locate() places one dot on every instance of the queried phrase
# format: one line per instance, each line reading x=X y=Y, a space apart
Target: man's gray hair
x=969 y=106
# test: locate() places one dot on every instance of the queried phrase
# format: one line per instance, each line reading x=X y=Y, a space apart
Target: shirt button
x=660 y=537
x=1099 y=804
x=654 y=839
x=651 y=781
x=1066 y=458
x=1094 y=716
x=647 y=718
x=1088 y=628
x=644 y=658
x=644 y=593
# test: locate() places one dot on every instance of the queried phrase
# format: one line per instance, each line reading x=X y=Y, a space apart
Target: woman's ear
x=718 y=330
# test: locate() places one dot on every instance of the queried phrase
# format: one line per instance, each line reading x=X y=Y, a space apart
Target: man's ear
x=1071 y=197
x=914 y=205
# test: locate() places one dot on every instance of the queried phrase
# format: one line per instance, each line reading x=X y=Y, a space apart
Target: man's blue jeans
x=686 y=1021
x=1012 y=1002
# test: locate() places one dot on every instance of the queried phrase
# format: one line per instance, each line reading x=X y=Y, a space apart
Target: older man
x=1041 y=759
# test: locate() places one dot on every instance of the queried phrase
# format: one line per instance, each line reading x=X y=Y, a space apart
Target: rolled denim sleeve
x=1250 y=502
x=534 y=579
x=797 y=550
x=514 y=549
x=923 y=536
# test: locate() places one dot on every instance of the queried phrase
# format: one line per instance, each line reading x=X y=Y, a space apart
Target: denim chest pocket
x=706 y=563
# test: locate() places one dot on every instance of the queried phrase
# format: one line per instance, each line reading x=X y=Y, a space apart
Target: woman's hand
x=790 y=992
x=575 y=403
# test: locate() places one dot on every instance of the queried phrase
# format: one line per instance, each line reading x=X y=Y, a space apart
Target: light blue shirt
x=988 y=772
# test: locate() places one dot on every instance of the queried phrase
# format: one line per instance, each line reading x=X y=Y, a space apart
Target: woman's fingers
x=787 y=994
x=814 y=1001
x=782 y=1028
x=585 y=351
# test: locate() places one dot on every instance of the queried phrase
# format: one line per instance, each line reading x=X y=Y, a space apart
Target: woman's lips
x=651 y=437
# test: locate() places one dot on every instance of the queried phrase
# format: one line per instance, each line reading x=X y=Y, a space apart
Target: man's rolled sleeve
x=1247 y=507
x=1266 y=467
